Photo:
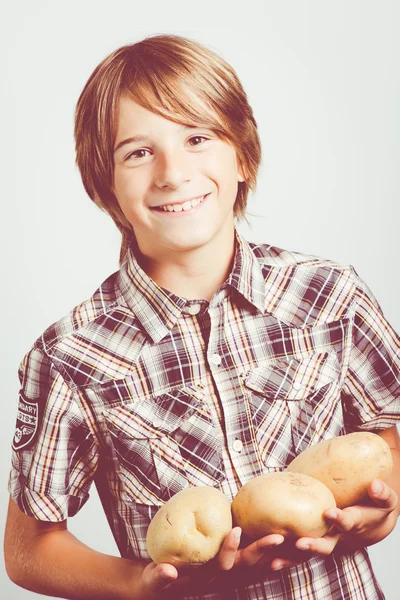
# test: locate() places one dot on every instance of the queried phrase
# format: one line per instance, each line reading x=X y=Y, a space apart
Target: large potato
x=287 y=503
x=346 y=464
x=189 y=529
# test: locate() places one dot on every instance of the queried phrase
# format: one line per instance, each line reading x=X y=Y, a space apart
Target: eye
x=196 y=138
x=137 y=154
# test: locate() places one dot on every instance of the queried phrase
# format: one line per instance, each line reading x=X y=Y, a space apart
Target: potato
x=189 y=529
x=285 y=503
x=346 y=464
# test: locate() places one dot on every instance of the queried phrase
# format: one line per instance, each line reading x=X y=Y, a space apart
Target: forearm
x=58 y=564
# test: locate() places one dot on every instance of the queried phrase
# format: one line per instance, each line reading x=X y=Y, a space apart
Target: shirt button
x=237 y=445
x=194 y=309
x=216 y=359
x=157 y=422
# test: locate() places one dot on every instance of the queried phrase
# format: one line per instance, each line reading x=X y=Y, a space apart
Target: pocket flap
x=154 y=417
x=294 y=378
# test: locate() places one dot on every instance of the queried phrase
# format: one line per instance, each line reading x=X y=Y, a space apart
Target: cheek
x=229 y=177
x=127 y=190
x=223 y=168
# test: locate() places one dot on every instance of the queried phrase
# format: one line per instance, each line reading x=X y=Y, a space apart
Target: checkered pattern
x=143 y=396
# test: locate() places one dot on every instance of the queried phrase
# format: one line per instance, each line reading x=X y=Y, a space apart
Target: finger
x=282 y=563
x=344 y=520
x=323 y=546
x=382 y=495
x=258 y=550
x=226 y=556
x=268 y=541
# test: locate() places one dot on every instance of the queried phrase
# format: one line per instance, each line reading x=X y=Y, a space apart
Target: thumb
x=157 y=577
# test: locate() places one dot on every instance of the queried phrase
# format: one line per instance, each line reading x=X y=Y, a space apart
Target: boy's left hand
x=354 y=526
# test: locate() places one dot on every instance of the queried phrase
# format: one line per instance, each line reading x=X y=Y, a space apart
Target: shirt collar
x=158 y=309
x=247 y=276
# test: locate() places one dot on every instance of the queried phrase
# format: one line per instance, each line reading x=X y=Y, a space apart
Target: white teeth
x=182 y=207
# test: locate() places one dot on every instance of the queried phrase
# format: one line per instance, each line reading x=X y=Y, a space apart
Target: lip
x=182 y=212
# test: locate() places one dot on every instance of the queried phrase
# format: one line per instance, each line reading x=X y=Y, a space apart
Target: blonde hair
x=177 y=78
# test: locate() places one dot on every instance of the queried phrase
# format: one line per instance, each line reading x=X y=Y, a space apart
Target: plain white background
x=323 y=80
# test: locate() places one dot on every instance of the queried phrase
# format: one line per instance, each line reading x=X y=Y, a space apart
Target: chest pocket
x=294 y=403
x=164 y=444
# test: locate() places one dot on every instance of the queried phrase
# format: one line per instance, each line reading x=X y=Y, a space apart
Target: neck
x=194 y=274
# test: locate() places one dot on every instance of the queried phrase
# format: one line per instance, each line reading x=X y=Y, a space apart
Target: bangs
x=177 y=101
x=181 y=87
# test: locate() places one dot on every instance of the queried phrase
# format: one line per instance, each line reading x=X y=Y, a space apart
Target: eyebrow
x=143 y=138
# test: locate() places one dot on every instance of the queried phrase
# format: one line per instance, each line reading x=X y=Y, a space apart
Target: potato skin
x=287 y=503
x=346 y=464
x=189 y=529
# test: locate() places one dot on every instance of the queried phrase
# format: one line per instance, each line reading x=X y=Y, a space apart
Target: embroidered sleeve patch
x=27 y=423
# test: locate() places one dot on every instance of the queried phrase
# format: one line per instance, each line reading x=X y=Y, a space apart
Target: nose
x=173 y=169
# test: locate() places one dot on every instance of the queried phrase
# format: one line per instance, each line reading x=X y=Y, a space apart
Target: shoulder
x=306 y=289
x=83 y=345
x=268 y=255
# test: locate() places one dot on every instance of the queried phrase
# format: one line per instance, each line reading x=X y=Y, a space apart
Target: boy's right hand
x=155 y=581
x=158 y=580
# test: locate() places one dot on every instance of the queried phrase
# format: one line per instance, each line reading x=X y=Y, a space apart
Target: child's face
x=168 y=164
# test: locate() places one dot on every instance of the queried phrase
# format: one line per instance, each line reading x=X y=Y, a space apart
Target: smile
x=184 y=207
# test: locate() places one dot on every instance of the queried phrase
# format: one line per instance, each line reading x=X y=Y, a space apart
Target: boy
x=205 y=360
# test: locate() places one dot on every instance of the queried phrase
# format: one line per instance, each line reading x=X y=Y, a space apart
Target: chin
x=192 y=241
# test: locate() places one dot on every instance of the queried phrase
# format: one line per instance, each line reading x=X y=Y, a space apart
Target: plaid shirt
x=147 y=393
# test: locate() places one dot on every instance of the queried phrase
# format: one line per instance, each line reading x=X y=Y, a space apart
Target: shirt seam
x=48 y=348
x=22 y=480
x=350 y=315
x=61 y=371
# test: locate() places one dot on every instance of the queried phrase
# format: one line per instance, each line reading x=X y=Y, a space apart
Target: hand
x=360 y=525
x=271 y=551
x=159 y=579
x=353 y=527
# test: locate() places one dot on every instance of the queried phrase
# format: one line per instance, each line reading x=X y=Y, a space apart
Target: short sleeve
x=54 y=455
x=371 y=390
